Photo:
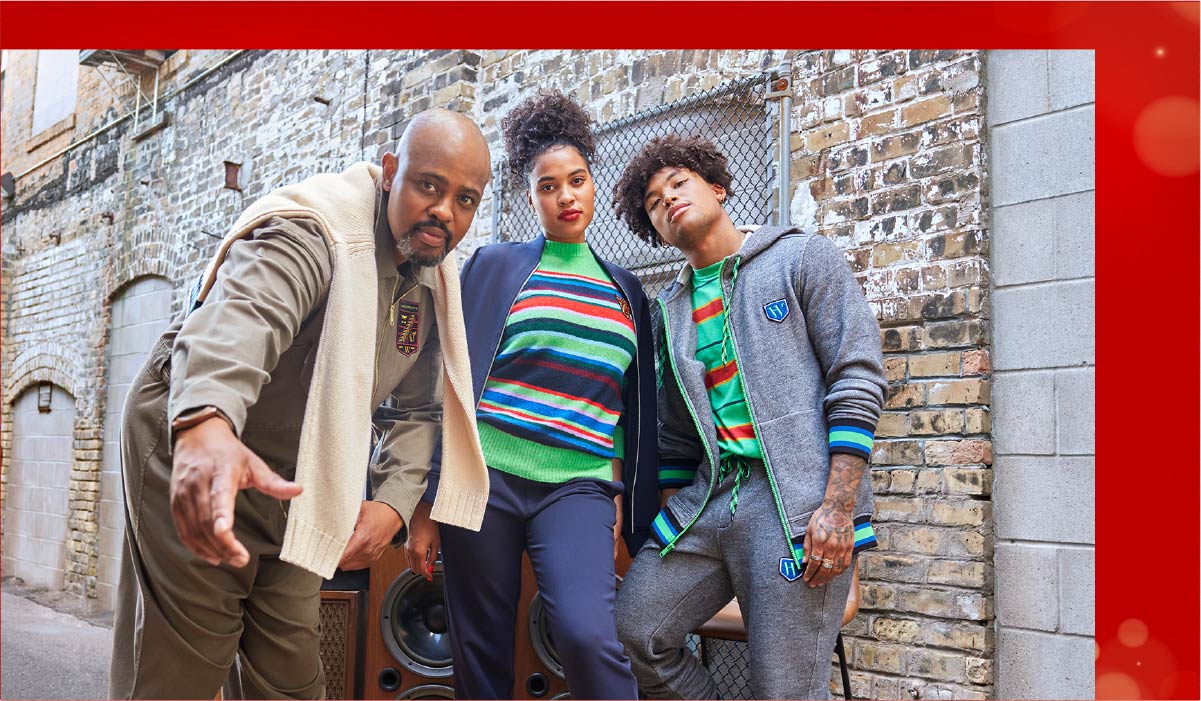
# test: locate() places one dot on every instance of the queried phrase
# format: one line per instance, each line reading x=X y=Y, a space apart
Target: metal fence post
x=498 y=192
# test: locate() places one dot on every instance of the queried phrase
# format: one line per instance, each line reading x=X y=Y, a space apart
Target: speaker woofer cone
x=413 y=623
x=428 y=691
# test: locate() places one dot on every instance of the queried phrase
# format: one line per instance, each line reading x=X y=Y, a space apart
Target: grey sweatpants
x=791 y=628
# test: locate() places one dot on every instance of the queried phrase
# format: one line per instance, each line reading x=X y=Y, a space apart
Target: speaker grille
x=333 y=626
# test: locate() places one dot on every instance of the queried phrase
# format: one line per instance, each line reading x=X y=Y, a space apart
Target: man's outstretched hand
x=210 y=465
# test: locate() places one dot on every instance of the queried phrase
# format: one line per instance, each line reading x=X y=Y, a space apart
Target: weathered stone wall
x=886 y=161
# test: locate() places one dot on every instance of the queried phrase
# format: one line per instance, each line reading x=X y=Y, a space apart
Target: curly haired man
x=771 y=383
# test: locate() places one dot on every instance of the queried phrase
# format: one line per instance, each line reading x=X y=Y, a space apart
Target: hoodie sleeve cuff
x=676 y=475
x=852 y=437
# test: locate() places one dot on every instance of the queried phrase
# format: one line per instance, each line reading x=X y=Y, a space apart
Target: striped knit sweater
x=735 y=432
x=551 y=404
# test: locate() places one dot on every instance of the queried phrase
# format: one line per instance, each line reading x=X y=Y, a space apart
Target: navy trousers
x=567 y=529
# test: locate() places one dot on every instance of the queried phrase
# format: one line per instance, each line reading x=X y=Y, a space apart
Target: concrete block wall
x=35 y=515
x=1041 y=123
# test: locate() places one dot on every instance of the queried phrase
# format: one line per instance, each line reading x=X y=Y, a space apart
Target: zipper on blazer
x=668 y=547
x=637 y=405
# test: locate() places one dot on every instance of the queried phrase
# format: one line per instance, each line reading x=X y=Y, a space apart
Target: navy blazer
x=491 y=280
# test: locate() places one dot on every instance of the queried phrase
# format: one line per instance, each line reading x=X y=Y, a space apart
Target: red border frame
x=1147 y=224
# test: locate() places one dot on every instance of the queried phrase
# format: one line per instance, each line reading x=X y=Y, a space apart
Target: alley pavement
x=47 y=654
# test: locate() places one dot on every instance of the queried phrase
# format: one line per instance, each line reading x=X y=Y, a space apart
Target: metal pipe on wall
x=784 y=145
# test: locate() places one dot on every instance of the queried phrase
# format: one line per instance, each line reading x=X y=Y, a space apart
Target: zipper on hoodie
x=668 y=547
x=771 y=478
x=501 y=336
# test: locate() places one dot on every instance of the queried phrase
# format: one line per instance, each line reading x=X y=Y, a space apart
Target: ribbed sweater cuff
x=676 y=475
x=459 y=507
x=308 y=547
x=852 y=437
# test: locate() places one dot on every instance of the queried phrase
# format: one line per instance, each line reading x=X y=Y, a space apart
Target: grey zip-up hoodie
x=808 y=350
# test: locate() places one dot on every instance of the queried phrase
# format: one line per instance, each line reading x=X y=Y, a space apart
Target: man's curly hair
x=692 y=152
x=542 y=122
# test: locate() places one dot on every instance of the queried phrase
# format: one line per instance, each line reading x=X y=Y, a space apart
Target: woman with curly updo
x=563 y=368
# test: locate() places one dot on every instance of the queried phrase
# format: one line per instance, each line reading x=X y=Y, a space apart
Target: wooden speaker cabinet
x=538 y=671
x=538 y=674
x=340 y=627
x=408 y=645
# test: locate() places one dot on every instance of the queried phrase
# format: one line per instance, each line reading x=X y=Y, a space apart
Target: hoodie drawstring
x=725 y=305
x=741 y=467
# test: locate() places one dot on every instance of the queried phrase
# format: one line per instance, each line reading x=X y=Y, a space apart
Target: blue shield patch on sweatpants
x=789 y=569
x=777 y=311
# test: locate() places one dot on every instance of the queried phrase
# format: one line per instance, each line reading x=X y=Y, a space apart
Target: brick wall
x=886 y=161
x=887 y=144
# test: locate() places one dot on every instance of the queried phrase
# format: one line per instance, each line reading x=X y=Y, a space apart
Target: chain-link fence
x=728 y=661
x=733 y=115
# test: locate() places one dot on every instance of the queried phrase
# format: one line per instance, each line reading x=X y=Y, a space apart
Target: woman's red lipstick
x=570 y=214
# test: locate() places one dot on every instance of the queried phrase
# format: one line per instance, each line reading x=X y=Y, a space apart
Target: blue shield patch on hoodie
x=777 y=311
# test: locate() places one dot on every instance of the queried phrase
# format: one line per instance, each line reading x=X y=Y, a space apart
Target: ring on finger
x=827 y=564
x=815 y=557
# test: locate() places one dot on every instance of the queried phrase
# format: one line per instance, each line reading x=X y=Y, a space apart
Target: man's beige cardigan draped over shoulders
x=336 y=435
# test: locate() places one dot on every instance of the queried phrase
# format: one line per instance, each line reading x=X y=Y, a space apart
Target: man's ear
x=390 y=165
x=719 y=192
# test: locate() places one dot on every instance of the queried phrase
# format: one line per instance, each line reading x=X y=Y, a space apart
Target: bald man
x=212 y=426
